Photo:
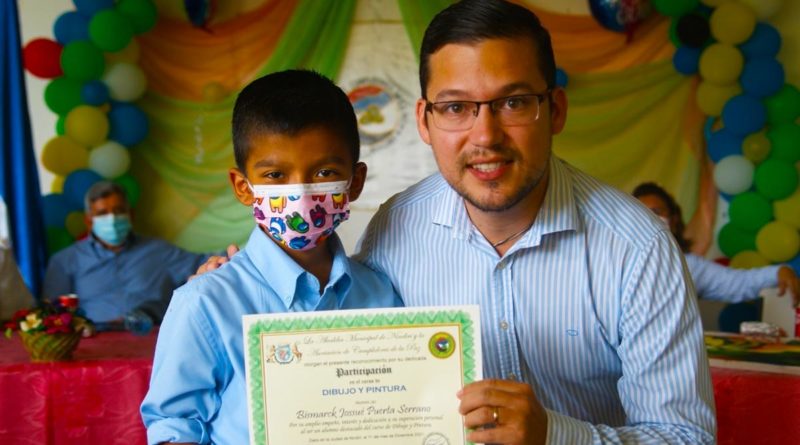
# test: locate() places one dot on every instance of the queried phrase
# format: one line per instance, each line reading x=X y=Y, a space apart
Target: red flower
x=58 y=323
x=18 y=316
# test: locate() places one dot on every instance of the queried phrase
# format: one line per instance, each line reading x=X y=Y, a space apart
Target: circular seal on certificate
x=435 y=439
x=442 y=345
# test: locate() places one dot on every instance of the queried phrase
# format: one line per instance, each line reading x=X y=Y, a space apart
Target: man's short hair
x=472 y=21
x=287 y=103
x=103 y=189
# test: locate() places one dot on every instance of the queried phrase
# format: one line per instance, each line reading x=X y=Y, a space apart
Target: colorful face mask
x=300 y=216
x=111 y=229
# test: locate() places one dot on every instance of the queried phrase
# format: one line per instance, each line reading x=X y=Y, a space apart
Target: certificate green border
x=338 y=322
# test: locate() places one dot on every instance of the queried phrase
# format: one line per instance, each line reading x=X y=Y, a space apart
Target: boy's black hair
x=288 y=102
x=651 y=188
x=471 y=21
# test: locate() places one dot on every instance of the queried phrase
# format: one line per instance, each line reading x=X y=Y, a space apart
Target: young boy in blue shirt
x=296 y=145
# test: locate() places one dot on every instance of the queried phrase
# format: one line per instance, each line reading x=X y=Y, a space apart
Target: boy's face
x=316 y=154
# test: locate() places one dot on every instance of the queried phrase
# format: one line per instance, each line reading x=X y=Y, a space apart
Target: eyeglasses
x=510 y=111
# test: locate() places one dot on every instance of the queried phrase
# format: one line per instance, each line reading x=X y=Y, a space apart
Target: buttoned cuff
x=177 y=430
x=562 y=429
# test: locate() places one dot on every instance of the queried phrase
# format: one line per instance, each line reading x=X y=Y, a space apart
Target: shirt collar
x=101 y=249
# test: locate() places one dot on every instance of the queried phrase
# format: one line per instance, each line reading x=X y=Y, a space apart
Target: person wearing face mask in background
x=714 y=281
x=123 y=280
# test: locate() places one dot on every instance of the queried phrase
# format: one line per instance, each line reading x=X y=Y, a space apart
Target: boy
x=296 y=146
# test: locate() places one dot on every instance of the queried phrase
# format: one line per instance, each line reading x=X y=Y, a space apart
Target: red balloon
x=42 y=58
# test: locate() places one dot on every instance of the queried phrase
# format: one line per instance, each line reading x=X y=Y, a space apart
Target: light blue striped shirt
x=592 y=306
x=716 y=282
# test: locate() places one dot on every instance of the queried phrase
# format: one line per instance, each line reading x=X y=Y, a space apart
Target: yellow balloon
x=713 y=3
x=788 y=210
x=711 y=97
x=57 y=186
x=778 y=242
x=129 y=54
x=763 y=9
x=748 y=259
x=756 y=147
x=732 y=23
x=721 y=64
x=87 y=125
x=61 y=155
x=75 y=224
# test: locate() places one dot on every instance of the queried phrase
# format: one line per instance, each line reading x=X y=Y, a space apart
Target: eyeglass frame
x=540 y=97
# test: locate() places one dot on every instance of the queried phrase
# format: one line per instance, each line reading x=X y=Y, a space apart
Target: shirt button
x=512 y=376
x=501 y=265
x=504 y=325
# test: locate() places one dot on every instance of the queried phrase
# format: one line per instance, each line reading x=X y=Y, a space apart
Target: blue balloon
x=724 y=143
x=129 y=124
x=744 y=114
x=91 y=7
x=795 y=264
x=561 y=78
x=94 y=92
x=762 y=77
x=686 y=60
x=71 y=26
x=764 y=42
x=77 y=184
x=56 y=207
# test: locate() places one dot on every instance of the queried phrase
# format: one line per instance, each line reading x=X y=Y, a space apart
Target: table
x=93 y=399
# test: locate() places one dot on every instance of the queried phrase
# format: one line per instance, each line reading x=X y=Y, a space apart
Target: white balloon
x=733 y=174
x=764 y=9
x=110 y=159
x=126 y=82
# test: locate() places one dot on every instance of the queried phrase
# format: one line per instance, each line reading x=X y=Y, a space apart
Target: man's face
x=111 y=204
x=494 y=167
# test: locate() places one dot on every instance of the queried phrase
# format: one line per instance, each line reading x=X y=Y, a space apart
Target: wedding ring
x=495 y=415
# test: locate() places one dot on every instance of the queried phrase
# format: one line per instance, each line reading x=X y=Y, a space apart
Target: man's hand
x=787 y=280
x=214 y=262
x=503 y=412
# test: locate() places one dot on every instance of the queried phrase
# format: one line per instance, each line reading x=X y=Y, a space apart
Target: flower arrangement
x=51 y=331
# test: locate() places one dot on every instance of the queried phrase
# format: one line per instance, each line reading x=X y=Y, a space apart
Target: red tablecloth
x=93 y=399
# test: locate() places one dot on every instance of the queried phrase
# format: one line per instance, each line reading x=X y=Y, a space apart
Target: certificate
x=360 y=377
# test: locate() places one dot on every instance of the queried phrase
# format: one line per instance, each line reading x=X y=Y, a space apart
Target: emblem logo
x=442 y=345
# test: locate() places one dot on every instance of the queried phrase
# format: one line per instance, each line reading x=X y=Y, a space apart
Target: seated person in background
x=296 y=146
x=14 y=295
x=714 y=281
x=120 y=277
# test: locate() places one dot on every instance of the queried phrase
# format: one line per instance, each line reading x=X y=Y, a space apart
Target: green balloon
x=783 y=106
x=110 y=30
x=675 y=8
x=57 y=239
x=673 y=32
x=732 y=240
x=131 y=187
x=749 y=212
x=81 y=60
x=142 y=14
x=60 y=130
x=775 y=179
x=62 y=95
x=785 y=142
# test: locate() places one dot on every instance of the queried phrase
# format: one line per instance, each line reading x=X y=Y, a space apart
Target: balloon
x=765 y=42
x=57 y=186
x=562 y=79
x=620 y=16
x=749 y=211
x=71 y=26
x=42 y=58
x=762 y=77
x=110 y=30
x=756 y=147
x=62 y=95
x=55 y=208
x=744 y=114
x=77 y=184
x=775 y=179
x=748 y=259
x=733 y=174
x=75 y=224
x=733 y=240
x=711 y=97
x=723 y=143
x=110 y=160
x=91 y=7
x=692 y=30
x=60 y=130
x=125 y=81
x=713 y=3
x=57 y=238
x=87 y=125
x=82 y=61
x=783 y=107
x=129 y=124
x=778 y=242
x=129 y=54
x=785 y=142
x=199 y=11
x=721 y=63
x=686 y=60
x=674 y=8
x=763 y=9
x=94 y=93
x=131 y=187
x=732 y=23
x=61 y=155
x=141 y=13
x=788 y=210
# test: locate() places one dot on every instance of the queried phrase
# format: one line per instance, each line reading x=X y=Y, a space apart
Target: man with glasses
x=591 y=332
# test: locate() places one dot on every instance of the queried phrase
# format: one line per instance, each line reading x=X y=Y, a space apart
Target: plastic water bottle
x=138 y=323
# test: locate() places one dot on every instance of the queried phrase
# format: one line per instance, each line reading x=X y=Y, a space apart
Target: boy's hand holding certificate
x=386 y=376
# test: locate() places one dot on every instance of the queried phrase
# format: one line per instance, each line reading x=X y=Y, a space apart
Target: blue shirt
x=142 y=275
x=197 y=390
x=592 y=306
x=716 y=282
